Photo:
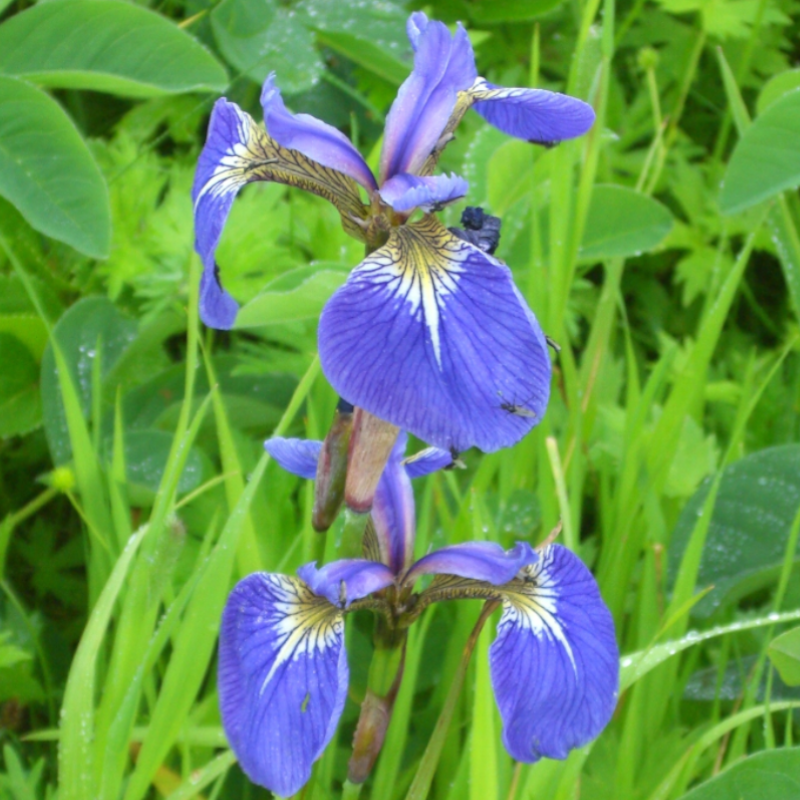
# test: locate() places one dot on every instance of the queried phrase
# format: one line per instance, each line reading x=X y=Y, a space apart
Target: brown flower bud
x=332 y=469
x=370 y=445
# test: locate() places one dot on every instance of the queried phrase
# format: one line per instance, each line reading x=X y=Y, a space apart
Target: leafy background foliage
x=661 y=251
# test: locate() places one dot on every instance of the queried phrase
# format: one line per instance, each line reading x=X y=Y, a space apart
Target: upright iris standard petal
x=480 y=561
x=282 y=678
x=555 y=663
x=298 y=456
x=444 y=65
x=313 y=138
x=223 y=169
x=406 y=192
x=393 y=513
x=430 y=334
x=535 y=115
x=343 y=582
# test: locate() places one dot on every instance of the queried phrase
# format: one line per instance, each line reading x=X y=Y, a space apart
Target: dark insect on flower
x=430 y=324
x=479 y=229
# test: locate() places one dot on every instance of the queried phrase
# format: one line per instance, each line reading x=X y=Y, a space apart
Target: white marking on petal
x=420 y=265
x=304 y=624
x=533 y=605
x=239 y=159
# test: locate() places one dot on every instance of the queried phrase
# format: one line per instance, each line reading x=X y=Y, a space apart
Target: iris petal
x=282 y=678
x=312 y=137
x=343 y=582
x=429 y=460
x=298 y=456
x=225 y=166
x=535 y=115
x=443 y=66
x=393 y=512
x=430 y=334
x=406 y=192
x=554 y=663
x=480 y=561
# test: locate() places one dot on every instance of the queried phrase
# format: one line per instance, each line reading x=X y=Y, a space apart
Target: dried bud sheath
x=371 y=443
x=332 y=469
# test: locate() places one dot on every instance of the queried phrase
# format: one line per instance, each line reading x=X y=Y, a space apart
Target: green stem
x=430 y=759
x=351 y=791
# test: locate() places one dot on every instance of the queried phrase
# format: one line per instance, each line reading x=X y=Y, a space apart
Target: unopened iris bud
x=332 y=468
x=647 y=59
x=370 y=445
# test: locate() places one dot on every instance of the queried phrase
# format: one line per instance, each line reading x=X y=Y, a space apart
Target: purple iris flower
x=429 y=332
x=283 y=671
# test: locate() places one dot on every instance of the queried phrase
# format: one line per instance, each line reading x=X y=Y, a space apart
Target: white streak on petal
x=534 y=607
x=304 y=623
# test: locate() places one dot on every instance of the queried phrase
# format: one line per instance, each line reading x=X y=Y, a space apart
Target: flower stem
x=351 y=791
x=430 y=759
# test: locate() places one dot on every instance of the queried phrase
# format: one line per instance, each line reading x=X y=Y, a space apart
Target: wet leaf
x=91 y=323
x=784 y=651
x=107 y=46
x=48 y=172
x=297 y=295
x=766 y=160
x=622 y=222
x=259 y=36
x=768 y=775
x=757 y=502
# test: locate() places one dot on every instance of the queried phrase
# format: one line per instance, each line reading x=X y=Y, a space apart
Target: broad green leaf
x=766 y=160
x=107 y=46
x=511 y=10
x=146 y=454
x=20 y=403
x=47 y=171
x=756 y=504
x=622 y=222
x=784 y=651
x=768 y=775
x=776 y=87
x=374 y=38
x=297 y=295
x=508 y=175
x=259 y=36
x=92 y=321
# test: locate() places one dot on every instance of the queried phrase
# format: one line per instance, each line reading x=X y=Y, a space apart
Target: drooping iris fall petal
x=430 y=334
x=555 y=663
x=282 y=678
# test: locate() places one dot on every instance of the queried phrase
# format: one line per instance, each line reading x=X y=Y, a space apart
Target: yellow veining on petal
x=256 y=156
x=530 y=603
x=303 y=623
x=420 y=264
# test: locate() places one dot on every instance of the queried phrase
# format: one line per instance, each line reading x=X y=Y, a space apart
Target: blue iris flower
x=429 y=332
x=283 y=671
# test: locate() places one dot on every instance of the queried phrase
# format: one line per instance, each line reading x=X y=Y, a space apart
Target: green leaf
x=10 y=654
x=259 y=36
x=768 y=775
x=622 y=222
x=20 y=404
x=91 y=321
x=776 y=87
x=375 y=38
x=766 y=160
x=146 y=454
x=756 y=505
x=784 y=651
x=47 y=171
x=106 y=46
x=297 y=295
x=511 y=10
